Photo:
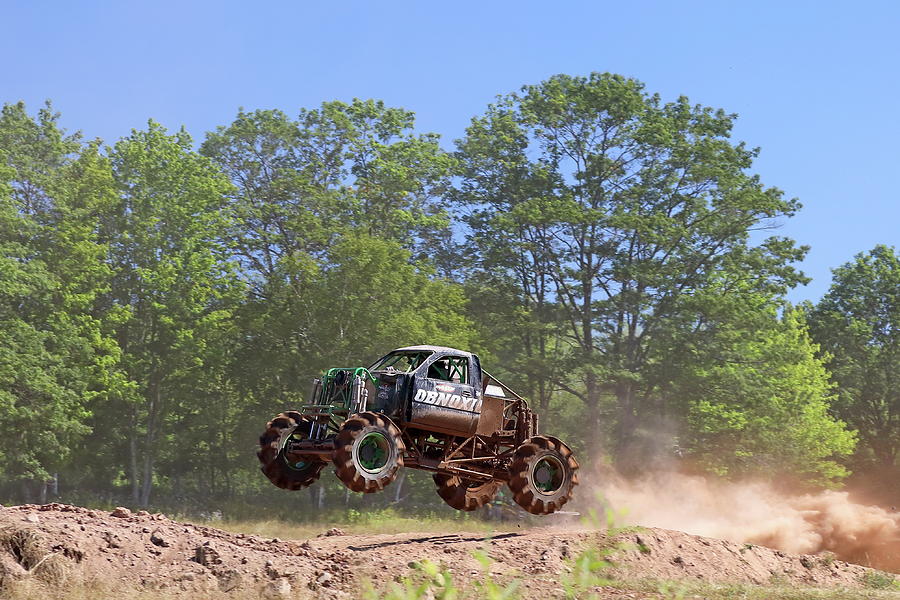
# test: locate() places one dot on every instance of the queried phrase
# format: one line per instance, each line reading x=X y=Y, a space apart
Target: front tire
x=542 y=475
x=368 y=452
x=282 y=472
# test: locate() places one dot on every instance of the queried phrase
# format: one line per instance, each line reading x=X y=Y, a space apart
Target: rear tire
x=542 y=475
x=464 y=494
x=368 y=452
x=284 y=473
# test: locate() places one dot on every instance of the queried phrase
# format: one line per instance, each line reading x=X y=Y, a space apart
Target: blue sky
x=816 y=84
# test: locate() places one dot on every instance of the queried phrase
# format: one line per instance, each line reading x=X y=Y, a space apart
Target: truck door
x=445 y=398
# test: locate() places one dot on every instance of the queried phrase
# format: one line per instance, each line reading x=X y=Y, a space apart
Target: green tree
x=370 y=299
x=857 y=323
x=54 y=192
x=595 y=196
x=43 y=389
x=173 y=288
x=757 y=401
x=36 y=149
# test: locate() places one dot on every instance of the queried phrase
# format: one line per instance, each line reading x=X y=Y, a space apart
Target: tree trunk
x=594 y=431
x=147 y=480
x=885 y=452
x=626 y=426
x=153 y=420
x=133 y=459
x=317 y=496
x=26 y=492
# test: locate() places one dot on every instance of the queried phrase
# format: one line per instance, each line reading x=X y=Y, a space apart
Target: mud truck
x=425 y=407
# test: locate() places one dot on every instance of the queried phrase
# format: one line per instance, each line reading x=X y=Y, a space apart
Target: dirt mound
x=65 y=545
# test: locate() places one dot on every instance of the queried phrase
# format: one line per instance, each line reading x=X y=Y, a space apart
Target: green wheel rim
x=300 y=465
x=373 y=451
x=548 y=475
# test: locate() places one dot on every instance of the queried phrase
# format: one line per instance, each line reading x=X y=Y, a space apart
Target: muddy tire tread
x=344 y=467
x=521 y=465
x=272 y=463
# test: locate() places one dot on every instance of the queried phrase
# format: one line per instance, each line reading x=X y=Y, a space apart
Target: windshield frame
x=391 y=359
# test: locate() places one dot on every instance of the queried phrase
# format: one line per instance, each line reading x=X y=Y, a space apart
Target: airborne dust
x=754 y=512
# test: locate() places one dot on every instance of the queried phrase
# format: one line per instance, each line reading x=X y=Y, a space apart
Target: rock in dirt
x=332 y=532
x=157 y=539
x=229 y=580
x=120 y=512
x=277 y=590
x=276 y=572
x=207 y=555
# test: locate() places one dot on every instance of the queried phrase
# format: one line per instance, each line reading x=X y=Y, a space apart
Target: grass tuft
x=879 y=580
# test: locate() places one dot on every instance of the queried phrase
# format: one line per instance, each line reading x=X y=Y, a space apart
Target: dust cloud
x=754 y=512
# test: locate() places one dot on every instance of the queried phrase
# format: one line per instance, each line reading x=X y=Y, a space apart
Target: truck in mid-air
x=425 y=407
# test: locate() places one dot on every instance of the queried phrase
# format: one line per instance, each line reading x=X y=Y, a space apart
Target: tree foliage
x=758 y=402
x=857 y=323
x=56 y=361
x=173 y=286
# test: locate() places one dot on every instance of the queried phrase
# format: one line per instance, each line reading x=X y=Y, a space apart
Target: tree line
x=607 y=253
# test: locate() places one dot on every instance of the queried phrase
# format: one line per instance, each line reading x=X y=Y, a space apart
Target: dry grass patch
x=359 y=523
x=696 y=590
x=25 y=553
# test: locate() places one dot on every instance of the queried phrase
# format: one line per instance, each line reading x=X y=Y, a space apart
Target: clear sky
x=816 y=84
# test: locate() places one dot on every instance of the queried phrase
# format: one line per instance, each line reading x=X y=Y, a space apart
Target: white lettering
x=455 y=401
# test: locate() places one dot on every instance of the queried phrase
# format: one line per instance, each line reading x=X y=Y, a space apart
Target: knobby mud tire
x=539 y=453
x=376 y=435
x=465 y=495
x=275 y=464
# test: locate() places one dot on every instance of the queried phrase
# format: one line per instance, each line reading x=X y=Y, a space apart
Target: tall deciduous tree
x=58 y=362
x=857 y=324
x=597 y=197
x=43 y=378
x=173 y=283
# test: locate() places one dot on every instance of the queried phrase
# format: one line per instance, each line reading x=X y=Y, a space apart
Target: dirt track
x=140 y=550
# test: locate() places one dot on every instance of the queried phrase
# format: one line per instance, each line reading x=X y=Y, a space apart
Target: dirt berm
x=121 y=551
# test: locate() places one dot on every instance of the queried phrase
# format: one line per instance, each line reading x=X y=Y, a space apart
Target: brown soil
x=66 y=545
